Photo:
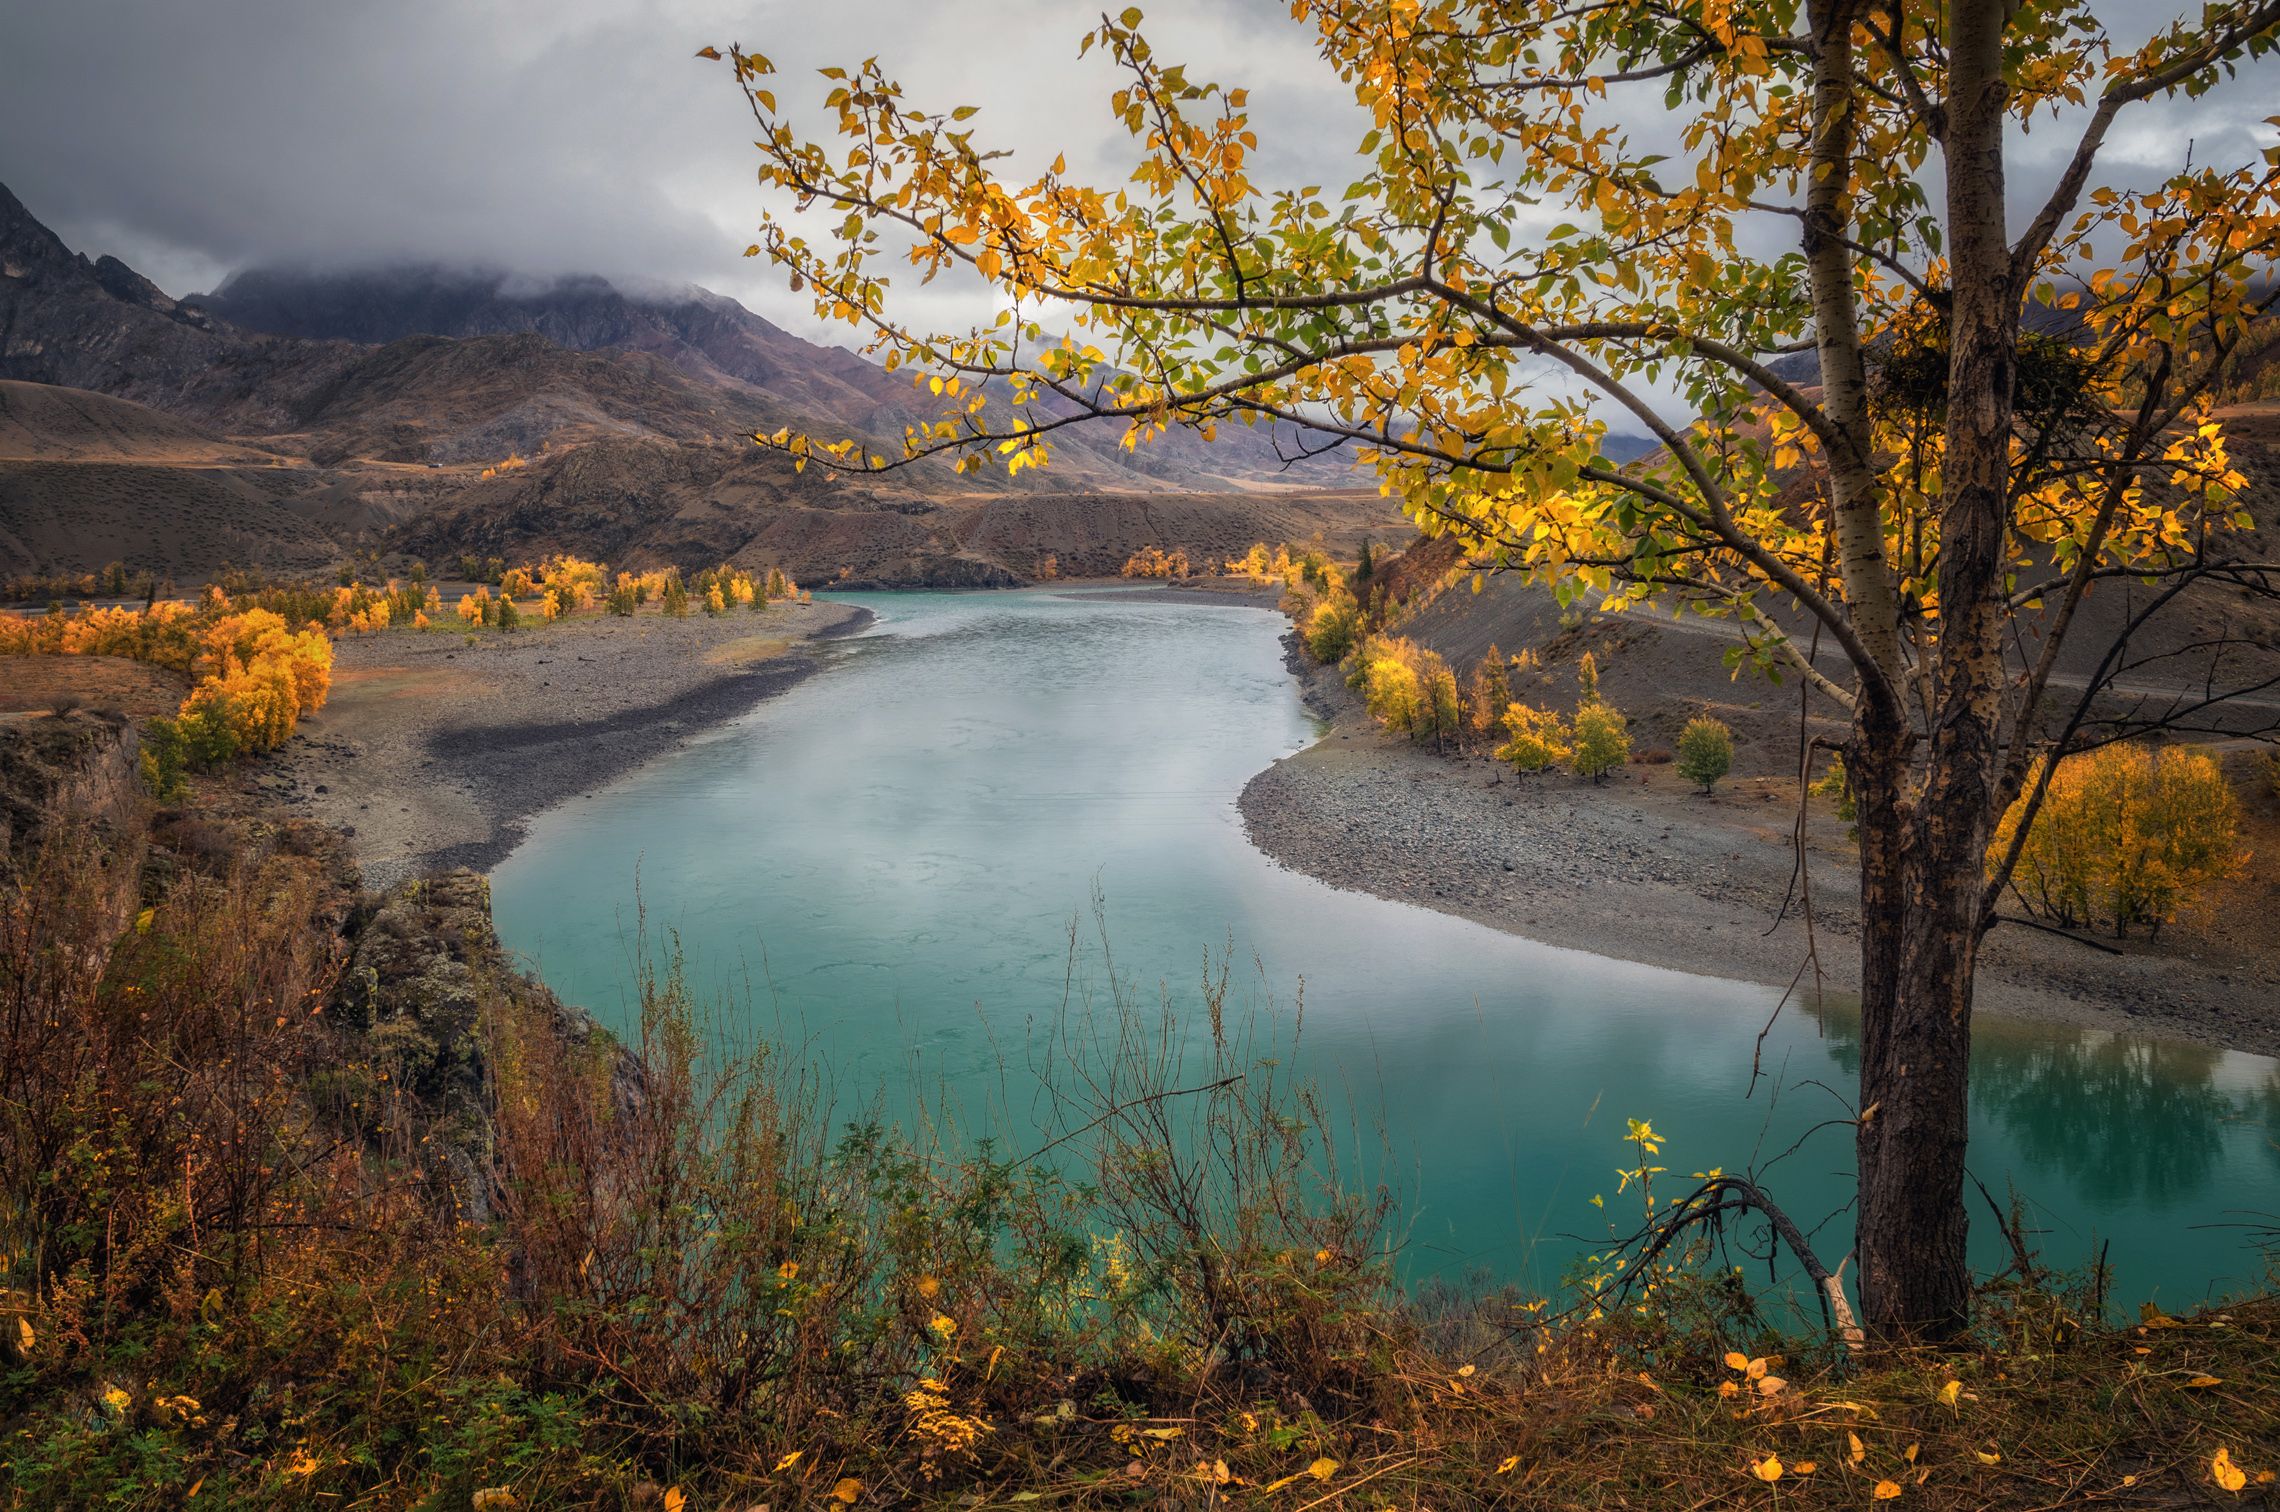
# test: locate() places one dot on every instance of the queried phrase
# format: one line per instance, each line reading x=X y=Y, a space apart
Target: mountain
x=291 y=419
x=716 y=341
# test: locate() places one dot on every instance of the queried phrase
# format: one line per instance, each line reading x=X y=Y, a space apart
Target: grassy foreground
x=309 y=1200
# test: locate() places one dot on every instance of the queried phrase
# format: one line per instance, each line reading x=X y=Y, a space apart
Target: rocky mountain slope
x=289 y=420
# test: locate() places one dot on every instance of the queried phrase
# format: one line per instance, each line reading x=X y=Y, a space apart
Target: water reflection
x=2123 y=1119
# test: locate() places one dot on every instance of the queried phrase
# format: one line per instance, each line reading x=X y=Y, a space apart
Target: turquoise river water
x=884 y=866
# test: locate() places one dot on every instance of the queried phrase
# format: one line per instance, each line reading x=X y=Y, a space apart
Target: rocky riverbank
x=433 y=750
x=1645 y=868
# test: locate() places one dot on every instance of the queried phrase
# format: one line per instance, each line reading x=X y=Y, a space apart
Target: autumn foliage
x=1155 y=562
x=2126 y=836
x=257 y=673
x=1408 y=689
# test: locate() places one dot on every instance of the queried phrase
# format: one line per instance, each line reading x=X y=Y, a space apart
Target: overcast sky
x=192 y=137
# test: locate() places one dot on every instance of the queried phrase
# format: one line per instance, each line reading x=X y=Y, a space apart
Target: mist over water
x=893 y=870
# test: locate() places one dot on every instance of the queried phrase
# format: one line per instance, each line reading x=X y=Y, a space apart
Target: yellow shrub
x=2126 y=835
x=1409 y=689
x=1537 y=739
x=1154 y=562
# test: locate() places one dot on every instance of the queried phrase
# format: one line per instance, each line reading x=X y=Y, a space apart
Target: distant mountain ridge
x=356 y=412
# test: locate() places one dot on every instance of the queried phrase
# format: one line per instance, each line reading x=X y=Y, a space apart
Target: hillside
x=719 y=344
x=645 y=500
x=292 y=420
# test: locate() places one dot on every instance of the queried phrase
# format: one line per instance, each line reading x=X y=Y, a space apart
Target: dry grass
x=244 y=1261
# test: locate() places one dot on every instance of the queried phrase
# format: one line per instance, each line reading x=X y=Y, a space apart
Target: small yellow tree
x=1491 y=695
x=1602 y=740
x=2125 y=835
x=1332 y=628
x=1537 y=739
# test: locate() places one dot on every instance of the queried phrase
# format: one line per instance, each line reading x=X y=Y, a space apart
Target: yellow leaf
x=1757 y=1368
x=788 y=1461
x=675 y=1499
x=1855 y=1450
x=2227 y=1474
x=1987 y=1458
x=24 y=1335
x=2204 y=1380
x=1886 y=1490
x=1163 y=1433
x=709 y=52
x=1323 y=1469
x=1735 y=1360
x=1772 y=1385
x=1511 y=1462
x=1950 y=1392
x=1909 y=1453
x=847 y=1491
x=1768 y=1469
x=1804 y=1467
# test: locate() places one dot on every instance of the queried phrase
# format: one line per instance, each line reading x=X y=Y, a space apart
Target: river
x=891 y=868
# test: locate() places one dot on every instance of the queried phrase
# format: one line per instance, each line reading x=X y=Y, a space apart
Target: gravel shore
x=433 y=752
x=1647 y=869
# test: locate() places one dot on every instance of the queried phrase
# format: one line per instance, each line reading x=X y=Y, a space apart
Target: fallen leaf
x=1886 y=1490
x=1323 y=1469
x=1950 y=1392
x=1855 y=1450
x=2227 y=1474
x=1511 y=1462
x=1768 y=1469
x=788 y=1461
x=847 y=1491
x=1735 y=1360
x=2204 y=1380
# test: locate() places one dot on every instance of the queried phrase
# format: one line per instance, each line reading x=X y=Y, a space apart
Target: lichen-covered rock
x=425 y=970
x=79 y=765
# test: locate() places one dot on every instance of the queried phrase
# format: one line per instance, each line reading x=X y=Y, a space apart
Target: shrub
x=1538 y=739
x=575 y=583
x=1705 y=751
x=1602 y=740
x=1154 y=562
x=2126 y=835
x=1408 y=689
x=1333 y=628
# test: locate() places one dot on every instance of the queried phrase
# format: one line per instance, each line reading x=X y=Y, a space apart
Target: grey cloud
x=194 y=136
